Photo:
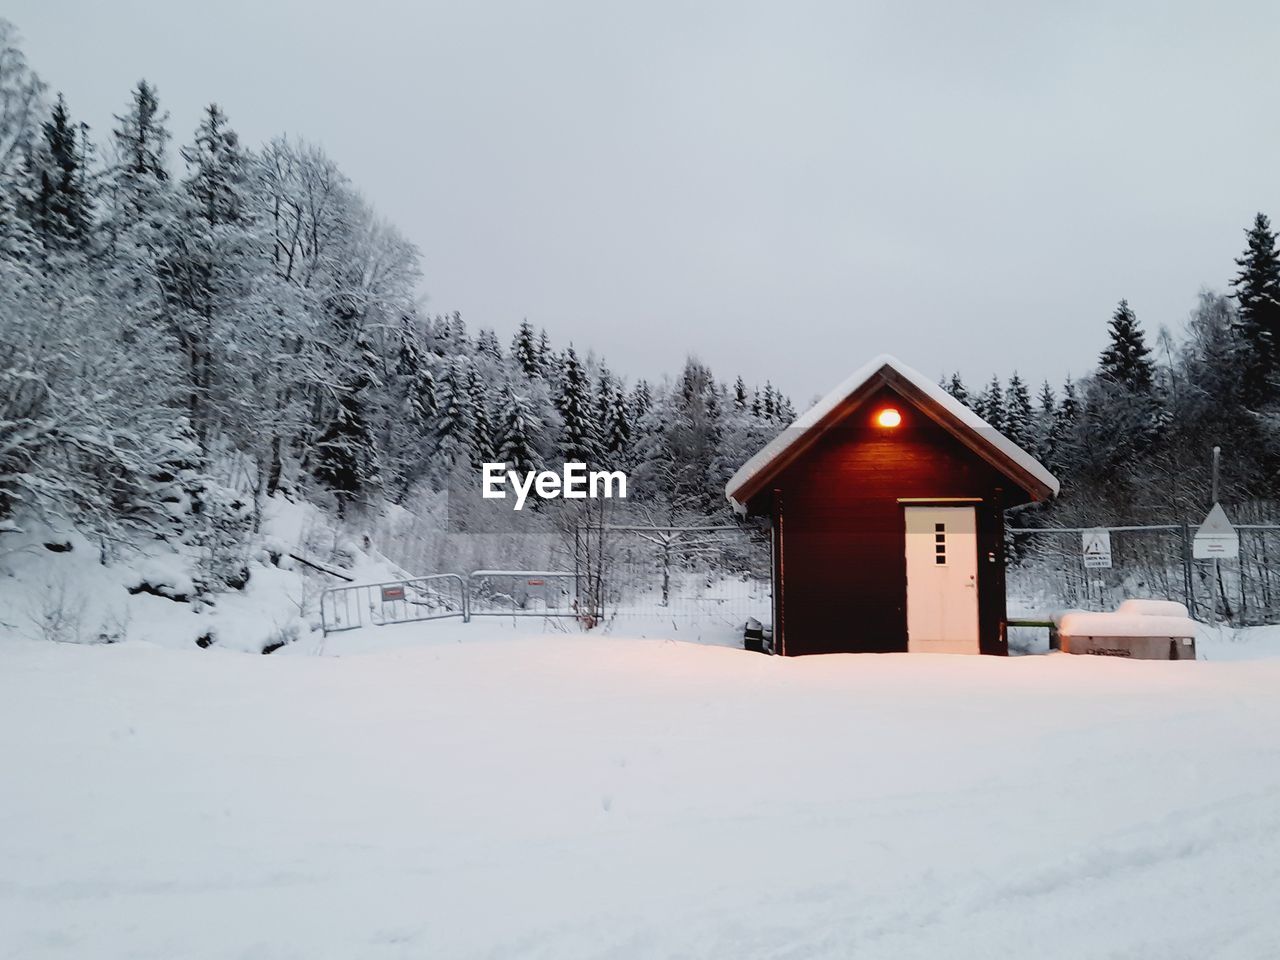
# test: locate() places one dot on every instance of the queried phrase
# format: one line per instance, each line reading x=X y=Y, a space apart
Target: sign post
x=1216 y=540
x=1095 y=548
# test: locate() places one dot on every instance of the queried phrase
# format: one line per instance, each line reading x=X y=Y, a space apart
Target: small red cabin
x=887 y=501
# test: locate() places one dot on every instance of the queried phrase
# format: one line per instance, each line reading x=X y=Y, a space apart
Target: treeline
x=1132 y=441
x=184 y=336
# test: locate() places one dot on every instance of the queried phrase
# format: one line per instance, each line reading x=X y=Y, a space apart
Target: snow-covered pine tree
x=1044 y=423
x=525 y=352
x=484 y=444
x=989 y=404
x=137 y=194
x=1066 y=424
x=454 y=433
x=458 y=332
x=59 y=207
x=422 y=402
x=437 y=336
x=605 y=386
x=577 y=441
x=1019 y=420
x=617 y=429
x=1257 y=291
x=692 y=433
x=767 y=402
x=739 y=394
x=170 y=490
x=784 y=412
x=544 y=354
x=209 y=266
x=520 y=429
x=641 y=400
x=1127 y=359
x=346 y=460
x=955 y=386
x=719 y=469
x=488 y=347
x=137 y=225
x=216 y=174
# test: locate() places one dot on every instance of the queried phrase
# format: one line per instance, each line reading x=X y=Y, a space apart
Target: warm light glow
x=888 y=417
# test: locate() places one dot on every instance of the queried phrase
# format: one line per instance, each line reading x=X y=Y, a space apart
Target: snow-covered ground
x=483 y=792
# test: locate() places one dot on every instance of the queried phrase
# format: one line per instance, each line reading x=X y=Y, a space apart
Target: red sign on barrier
x=392 y=593
x=536 y=583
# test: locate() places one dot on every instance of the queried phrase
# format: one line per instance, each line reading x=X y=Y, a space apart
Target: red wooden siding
x=840 y=564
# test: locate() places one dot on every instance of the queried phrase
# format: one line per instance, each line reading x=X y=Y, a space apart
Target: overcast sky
x=783 y=190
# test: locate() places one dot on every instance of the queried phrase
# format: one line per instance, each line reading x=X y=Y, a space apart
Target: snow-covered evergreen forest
x=191 y=326
x=1132 y=439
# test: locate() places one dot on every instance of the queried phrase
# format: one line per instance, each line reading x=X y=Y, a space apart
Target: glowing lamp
x=888 y=417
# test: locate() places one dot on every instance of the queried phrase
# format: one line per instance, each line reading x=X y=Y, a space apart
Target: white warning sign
x=1096 y=548
x=1216 y=539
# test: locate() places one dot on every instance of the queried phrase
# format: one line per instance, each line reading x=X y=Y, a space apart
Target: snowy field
x=478 y=792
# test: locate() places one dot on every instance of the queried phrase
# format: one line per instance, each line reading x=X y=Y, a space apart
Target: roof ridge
x=805 y=424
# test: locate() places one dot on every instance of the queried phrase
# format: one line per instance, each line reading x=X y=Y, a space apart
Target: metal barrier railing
x=522 y=593
x=433 y=597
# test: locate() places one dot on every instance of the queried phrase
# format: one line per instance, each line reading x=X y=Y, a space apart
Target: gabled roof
x=969 y=428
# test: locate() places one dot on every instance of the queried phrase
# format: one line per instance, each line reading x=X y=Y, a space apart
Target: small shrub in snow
x=114 y=627
x=222 y=537
x=164 y=577
x=158 y=590
x=281 y=636
x=56 y=612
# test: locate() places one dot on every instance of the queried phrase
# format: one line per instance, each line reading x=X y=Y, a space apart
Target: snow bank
x=1152 y=608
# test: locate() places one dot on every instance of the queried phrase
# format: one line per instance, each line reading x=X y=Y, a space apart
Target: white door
x=942 y=580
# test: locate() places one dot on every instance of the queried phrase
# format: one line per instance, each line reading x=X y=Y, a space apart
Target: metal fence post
x=1188 y=581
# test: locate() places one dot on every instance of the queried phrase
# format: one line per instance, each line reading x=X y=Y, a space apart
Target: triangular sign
x=1216 y=538
x=1216 y=523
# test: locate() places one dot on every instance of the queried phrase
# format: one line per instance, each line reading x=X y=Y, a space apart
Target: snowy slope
x=503 y=795
x=68 y=595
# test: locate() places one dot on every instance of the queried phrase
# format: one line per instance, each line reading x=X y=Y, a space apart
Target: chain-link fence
x=1048 y=571
x=716 y=574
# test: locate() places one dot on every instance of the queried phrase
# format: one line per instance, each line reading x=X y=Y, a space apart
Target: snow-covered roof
x=962 y=421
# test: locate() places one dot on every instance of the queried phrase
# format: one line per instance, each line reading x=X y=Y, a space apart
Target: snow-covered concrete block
x=1125 y=634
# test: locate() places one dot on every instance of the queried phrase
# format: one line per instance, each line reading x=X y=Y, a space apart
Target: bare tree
x=21 y=97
